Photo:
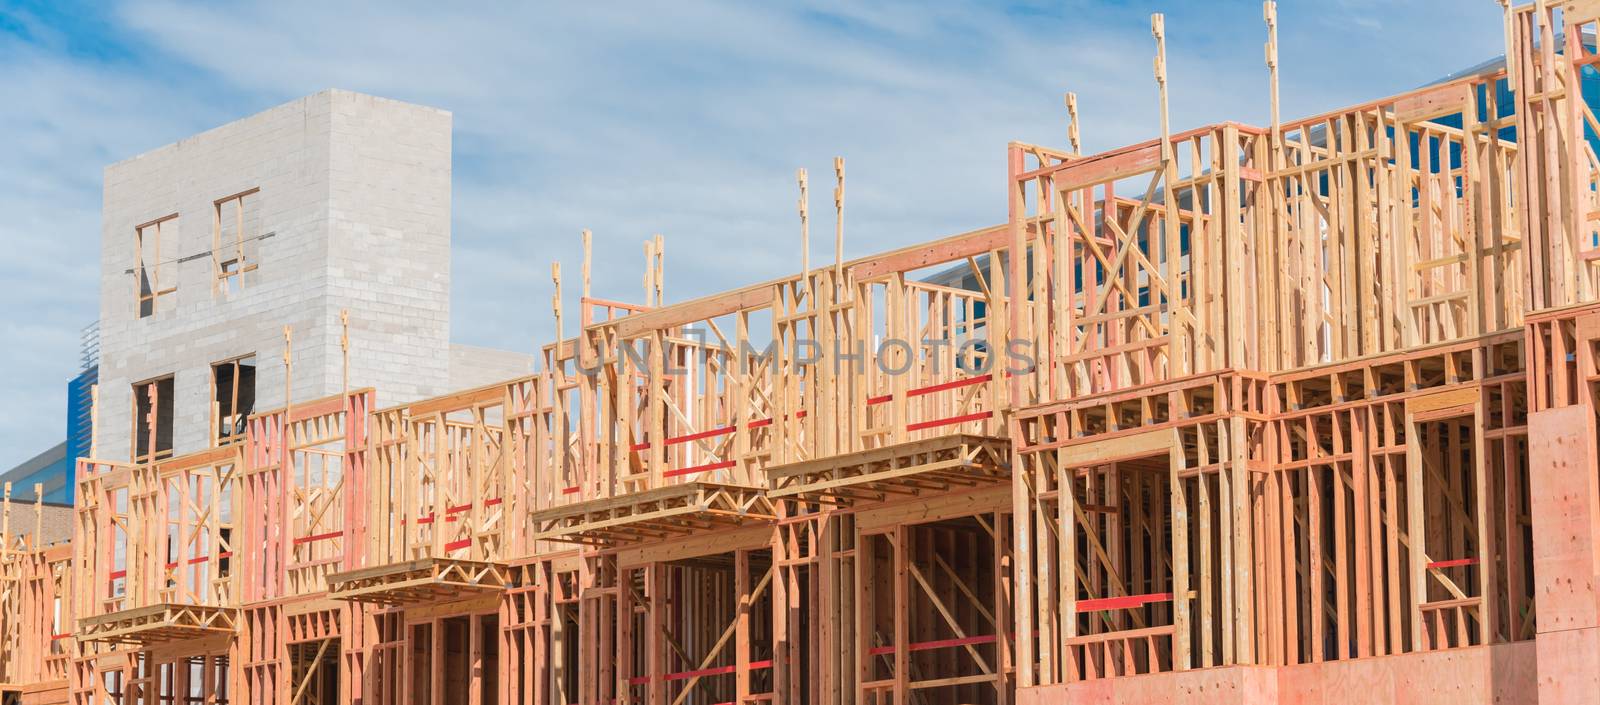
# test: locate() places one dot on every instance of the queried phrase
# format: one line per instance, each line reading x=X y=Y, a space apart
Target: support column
x=654 y=641
x=1180 y=560
x=741 y=637
x=624 y=669
x=902 y=624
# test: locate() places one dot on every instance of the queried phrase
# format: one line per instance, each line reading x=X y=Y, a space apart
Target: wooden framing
x=421 y=580
x=908 y=469
x=1229 y=407
x=155 y=624
x=35 y=606
x=150 y=287
x=228 y=419
x=1140 y=503
x=656 y=514
x=232 y=257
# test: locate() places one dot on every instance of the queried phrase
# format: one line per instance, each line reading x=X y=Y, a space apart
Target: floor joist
x=905 y=469
x=157 y=624
x=689 y=508
x=418 y=581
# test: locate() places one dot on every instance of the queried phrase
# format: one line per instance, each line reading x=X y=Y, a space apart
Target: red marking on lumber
x=700 y=468
x=119 y=574
x=950 y=421
x=1122 y=603
x=954 y=384
x=723 y=431
x=758 y=423
x=454 y=545
x=675 y=440
x=465 y=507
x=318 y=537
x=428 y=518
x=1457 y=563
x=201 y=559
x=719 y=431
x=714 y=671
x=59 y=637
x=932 y=388
x=570 y=490
x=937 y=644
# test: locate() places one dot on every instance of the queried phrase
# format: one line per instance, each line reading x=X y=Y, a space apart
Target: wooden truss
x=682 y=509
x=144 y=626
x=908 y=469
x=421 y=580
x=1305 y=397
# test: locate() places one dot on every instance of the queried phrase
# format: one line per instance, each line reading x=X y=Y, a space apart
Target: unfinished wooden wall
x=35 y=607
x=1383 y=467
x=1280 y=416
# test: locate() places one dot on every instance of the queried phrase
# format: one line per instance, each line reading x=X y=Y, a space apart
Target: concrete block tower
x=212 y=245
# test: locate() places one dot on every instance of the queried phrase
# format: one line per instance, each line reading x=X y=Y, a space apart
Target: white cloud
x=684 y=118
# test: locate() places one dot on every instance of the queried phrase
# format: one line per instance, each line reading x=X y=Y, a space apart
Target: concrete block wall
x=389 y=244
x=355 y=191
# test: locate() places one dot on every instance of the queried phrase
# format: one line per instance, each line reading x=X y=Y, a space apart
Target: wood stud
x=1280 y=416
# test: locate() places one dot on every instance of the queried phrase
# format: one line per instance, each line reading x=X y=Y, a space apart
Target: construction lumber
x=1263 y=411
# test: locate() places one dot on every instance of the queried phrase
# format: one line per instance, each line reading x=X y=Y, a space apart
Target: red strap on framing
x=954 y=384
x=721 y=465
x=1457 y=563
x=318 y=537
x=932 y=388
x=192 y=561
x=465 y=507
x=937 y=644
x=714 y=671
x=1122 y=603
x=950 y=421
x=428 y=519
x=723 y=431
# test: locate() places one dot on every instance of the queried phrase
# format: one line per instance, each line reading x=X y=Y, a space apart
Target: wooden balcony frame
x=418 y=581
x=157 y=624
x=904 y=469
x=683 y=509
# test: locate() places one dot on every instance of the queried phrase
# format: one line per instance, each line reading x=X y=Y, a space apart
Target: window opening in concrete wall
x=235 y=234
x=233 y=398
x=152 y=419
x=154 y=282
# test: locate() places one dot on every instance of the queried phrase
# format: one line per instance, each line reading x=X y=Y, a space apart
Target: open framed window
x=233 y=398
x=154 y=281
x=235 y=236
x=152 y=419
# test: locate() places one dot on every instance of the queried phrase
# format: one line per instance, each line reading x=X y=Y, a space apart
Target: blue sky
x=685 y=118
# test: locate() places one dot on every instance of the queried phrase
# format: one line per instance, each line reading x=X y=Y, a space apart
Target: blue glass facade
x=54 y=468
